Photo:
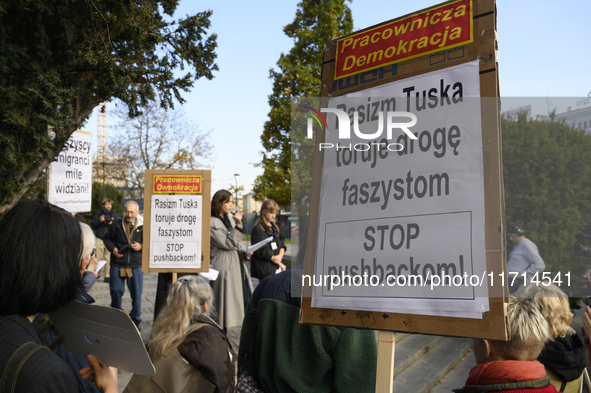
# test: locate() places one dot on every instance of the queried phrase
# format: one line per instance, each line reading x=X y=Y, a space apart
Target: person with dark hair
x=267 y=259
x=524 y=259
x=101 y=222
x=124 y=239
x=43 y=323
x=188 y=349
x=40 y=257
x=226 y=250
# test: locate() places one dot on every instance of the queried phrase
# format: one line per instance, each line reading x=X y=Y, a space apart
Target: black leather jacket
x=117 y=237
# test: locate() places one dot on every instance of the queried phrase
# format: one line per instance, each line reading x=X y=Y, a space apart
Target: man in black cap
x=101 y=222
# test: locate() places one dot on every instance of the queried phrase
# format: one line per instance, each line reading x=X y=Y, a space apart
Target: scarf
x=505 y=371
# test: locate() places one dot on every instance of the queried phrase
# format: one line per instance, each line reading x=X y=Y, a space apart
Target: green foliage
x=59 y=59
x=547 y=175
x=316 y=22
x=46 y=326
x=111 y=192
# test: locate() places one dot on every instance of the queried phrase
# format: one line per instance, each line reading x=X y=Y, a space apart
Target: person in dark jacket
x=48 y=335
x=267 y=259
x=101 y=222
x=564 y=355
x=40 y=257
x=124 y=240
x=188 y=349
x=282 y=355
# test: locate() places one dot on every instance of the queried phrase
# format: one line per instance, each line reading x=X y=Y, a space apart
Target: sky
x=544 y=51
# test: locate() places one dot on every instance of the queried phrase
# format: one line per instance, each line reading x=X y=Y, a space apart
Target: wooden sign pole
x=385 y=366
x=173 y=277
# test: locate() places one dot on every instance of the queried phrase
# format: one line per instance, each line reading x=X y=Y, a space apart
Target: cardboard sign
x=433 y=208
x=70 y=176
x=175 y=233
x=433 y=30
x=408 y=213
x=106 y=333
x=168 y=184
x=176 y=221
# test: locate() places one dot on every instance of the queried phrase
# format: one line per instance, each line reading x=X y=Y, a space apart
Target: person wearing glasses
x=88 y=263
x=124 y=240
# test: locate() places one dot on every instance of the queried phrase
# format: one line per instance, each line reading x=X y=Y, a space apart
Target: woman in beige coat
x=225 y=246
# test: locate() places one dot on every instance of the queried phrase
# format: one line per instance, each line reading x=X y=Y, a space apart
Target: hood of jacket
x=507 y=375
x=565 y=356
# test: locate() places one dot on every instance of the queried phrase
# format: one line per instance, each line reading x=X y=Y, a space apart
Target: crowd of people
x=188 y=345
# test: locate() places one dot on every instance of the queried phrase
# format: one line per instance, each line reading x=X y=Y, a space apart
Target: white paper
x=175 y=231
x=70 y=176
x=408 y=213
x=99 y=266
x=260 y=244
x=211 y=275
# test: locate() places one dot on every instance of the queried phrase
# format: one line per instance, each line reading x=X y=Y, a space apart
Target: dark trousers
x=135 y=285
x=516 y=285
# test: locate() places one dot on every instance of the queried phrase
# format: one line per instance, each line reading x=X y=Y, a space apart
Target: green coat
x=290 y=357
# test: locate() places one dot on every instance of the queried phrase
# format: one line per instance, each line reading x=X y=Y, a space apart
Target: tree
x=316 y=22
x=236 y=193
x=547 y=175
x=111 y=192
x=155 y=139
x=60 y=59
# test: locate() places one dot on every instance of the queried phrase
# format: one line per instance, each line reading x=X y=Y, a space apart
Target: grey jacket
x=224 y=248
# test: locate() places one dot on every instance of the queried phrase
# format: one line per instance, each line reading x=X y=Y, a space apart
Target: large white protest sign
x=175 y=231
x=70 y=176
x=408 y=211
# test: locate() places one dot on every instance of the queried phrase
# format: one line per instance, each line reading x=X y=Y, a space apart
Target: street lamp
x=236 y=190
x=103 y=164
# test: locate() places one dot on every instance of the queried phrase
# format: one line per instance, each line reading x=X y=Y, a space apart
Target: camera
x=108 y=218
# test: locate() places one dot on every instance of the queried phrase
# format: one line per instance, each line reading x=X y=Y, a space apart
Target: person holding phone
x=226 y=249
x=88 y=263
x=267 y=259
x=101 y=222
x=124 y=240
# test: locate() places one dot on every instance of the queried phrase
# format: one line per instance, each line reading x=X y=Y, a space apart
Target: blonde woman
x=503 y=366
x=188 y=349
x=564 y=355
x=267 y=259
